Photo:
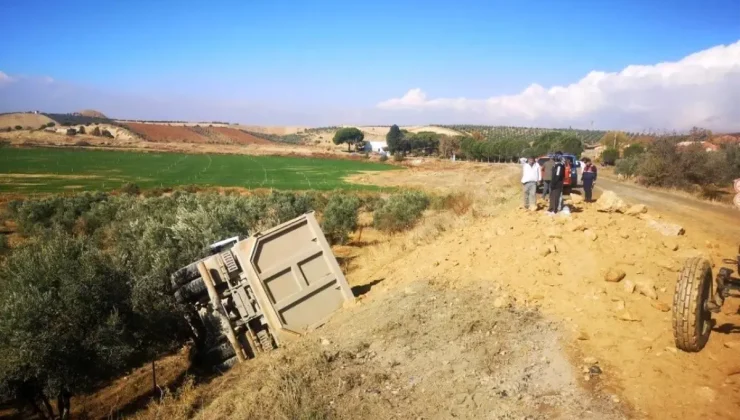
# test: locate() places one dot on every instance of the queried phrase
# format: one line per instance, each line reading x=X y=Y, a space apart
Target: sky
x=608 y=64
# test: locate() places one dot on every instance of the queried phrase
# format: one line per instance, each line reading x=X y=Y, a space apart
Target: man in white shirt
x=531 y=175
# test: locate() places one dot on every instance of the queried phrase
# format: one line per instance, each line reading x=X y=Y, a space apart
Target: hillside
x=176 y=133
x=26 y=120
x=92 y=113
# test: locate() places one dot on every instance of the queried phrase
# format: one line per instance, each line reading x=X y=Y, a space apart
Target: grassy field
x=39 y=170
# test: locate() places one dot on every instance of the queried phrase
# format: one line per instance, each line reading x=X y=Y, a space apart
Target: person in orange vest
x=588 y=178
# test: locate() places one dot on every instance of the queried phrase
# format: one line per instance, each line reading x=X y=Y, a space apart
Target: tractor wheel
x=692 y=322
x=221 y=352
x=191 y=291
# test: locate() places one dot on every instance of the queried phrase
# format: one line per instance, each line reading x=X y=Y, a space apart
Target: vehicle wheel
x=692 y=322
x=185 y=275
x=191 y=291
x=218 y=354
x=225 y=365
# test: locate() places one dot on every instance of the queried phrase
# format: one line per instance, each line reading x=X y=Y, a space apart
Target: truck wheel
x=225 y=365
x=692 y=322
x=218 y=354
x=185 y=275
x=191 y=291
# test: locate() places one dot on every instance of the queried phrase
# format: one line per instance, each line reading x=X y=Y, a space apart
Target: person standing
x=588 y=178
x=546 y=177
x=556 y=183
x=531 y=175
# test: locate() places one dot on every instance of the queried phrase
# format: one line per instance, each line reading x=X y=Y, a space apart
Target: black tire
x=191 y=291
x=225 y=365
x=692 y=322
x=185 y=275
x=218 y=354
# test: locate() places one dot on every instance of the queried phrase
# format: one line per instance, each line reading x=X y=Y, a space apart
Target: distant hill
x=27 y=120
x=92 y=113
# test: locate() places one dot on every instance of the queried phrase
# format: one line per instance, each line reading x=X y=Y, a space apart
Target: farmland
x=45 y=170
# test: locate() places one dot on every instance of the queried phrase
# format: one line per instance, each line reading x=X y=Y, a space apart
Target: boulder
x=646 y=287
x=636 y=209
x=591 y=235
x=576 y=199
x=610 y=202
x=629 y=286
x=615 y=275
x=665 y=228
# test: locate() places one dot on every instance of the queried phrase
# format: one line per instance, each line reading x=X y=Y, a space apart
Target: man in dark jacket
x=588 y=178
x=546 y=177
x=556 y=183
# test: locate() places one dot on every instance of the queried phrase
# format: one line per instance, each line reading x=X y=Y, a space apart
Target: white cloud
x=4 y=78
x=701 y=89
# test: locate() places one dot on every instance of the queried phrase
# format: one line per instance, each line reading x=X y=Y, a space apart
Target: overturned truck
x=251 y=294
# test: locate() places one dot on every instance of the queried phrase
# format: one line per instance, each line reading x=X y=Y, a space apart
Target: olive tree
x=349 y=135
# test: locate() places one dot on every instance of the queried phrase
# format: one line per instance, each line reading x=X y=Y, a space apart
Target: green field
x=42 y=170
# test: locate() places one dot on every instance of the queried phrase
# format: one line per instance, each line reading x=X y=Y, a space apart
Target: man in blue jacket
x=588 y=178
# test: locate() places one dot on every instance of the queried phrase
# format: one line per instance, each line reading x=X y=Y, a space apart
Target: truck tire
x=218 y=354
x=185 y=275
x=191 y=291
x=692 y=322
x=225 y=365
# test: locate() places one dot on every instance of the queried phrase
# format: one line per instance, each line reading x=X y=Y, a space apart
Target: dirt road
x=718 y=222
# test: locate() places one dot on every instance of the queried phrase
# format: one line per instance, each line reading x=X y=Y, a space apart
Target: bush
x=81 y=130
x=130 y=189
x=18 y=127
x=96 y=132
x=384 y=157
x=340 y=217
x=51 y=124
x=3 y=242
x=71 y=132
x=633 y=150
x=398 y=157
x=627 y=166
x=107 y=134
x=400 y=211
x=610 y=156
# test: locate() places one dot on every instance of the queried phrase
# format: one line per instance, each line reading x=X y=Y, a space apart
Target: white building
x=376 y=146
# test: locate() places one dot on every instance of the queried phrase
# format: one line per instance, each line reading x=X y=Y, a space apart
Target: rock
x=553 y=248
x=537 y=297
x=620 y=306
x=576 y=199
x=325 y=342
x=708 y=393
x=590 y=360
x=667 y=265
x=583 y=336
x=545 y=252
x=672 y=245
x=553 y=233
x=624 y=235
x=665 y=228
x=615 y=275
x=610 y=202
x=594 y=370
x=629 y=286
x=636 y=209
x=646 y=287
x=409 y=291
x=591 y=235
x=733 y=344
x=576 y=226
x=499 y=302
x=500 y=231
x=628 y=317
x=663 y=307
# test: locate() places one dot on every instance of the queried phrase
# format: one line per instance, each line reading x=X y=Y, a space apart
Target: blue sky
x=312 y=59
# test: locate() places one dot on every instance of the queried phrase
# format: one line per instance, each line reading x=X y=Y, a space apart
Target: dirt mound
x=421 y=351
x=25 y=120
x=92 y=113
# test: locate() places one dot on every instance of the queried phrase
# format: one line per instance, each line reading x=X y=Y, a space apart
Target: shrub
x=633 y=150
x=6 y=129
x=82 y=143
x=610 y=156
x=371 y=202
x=627 y=166
x=71 y=132
x=3 y=242
x=130 y=189
x=51 y=124
x=400 y=211
x=384 y=157
x=18 y=127
x=340 y=217
x=96 y=131
x=81 y=130
x=107 y=134
x=398 y=157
